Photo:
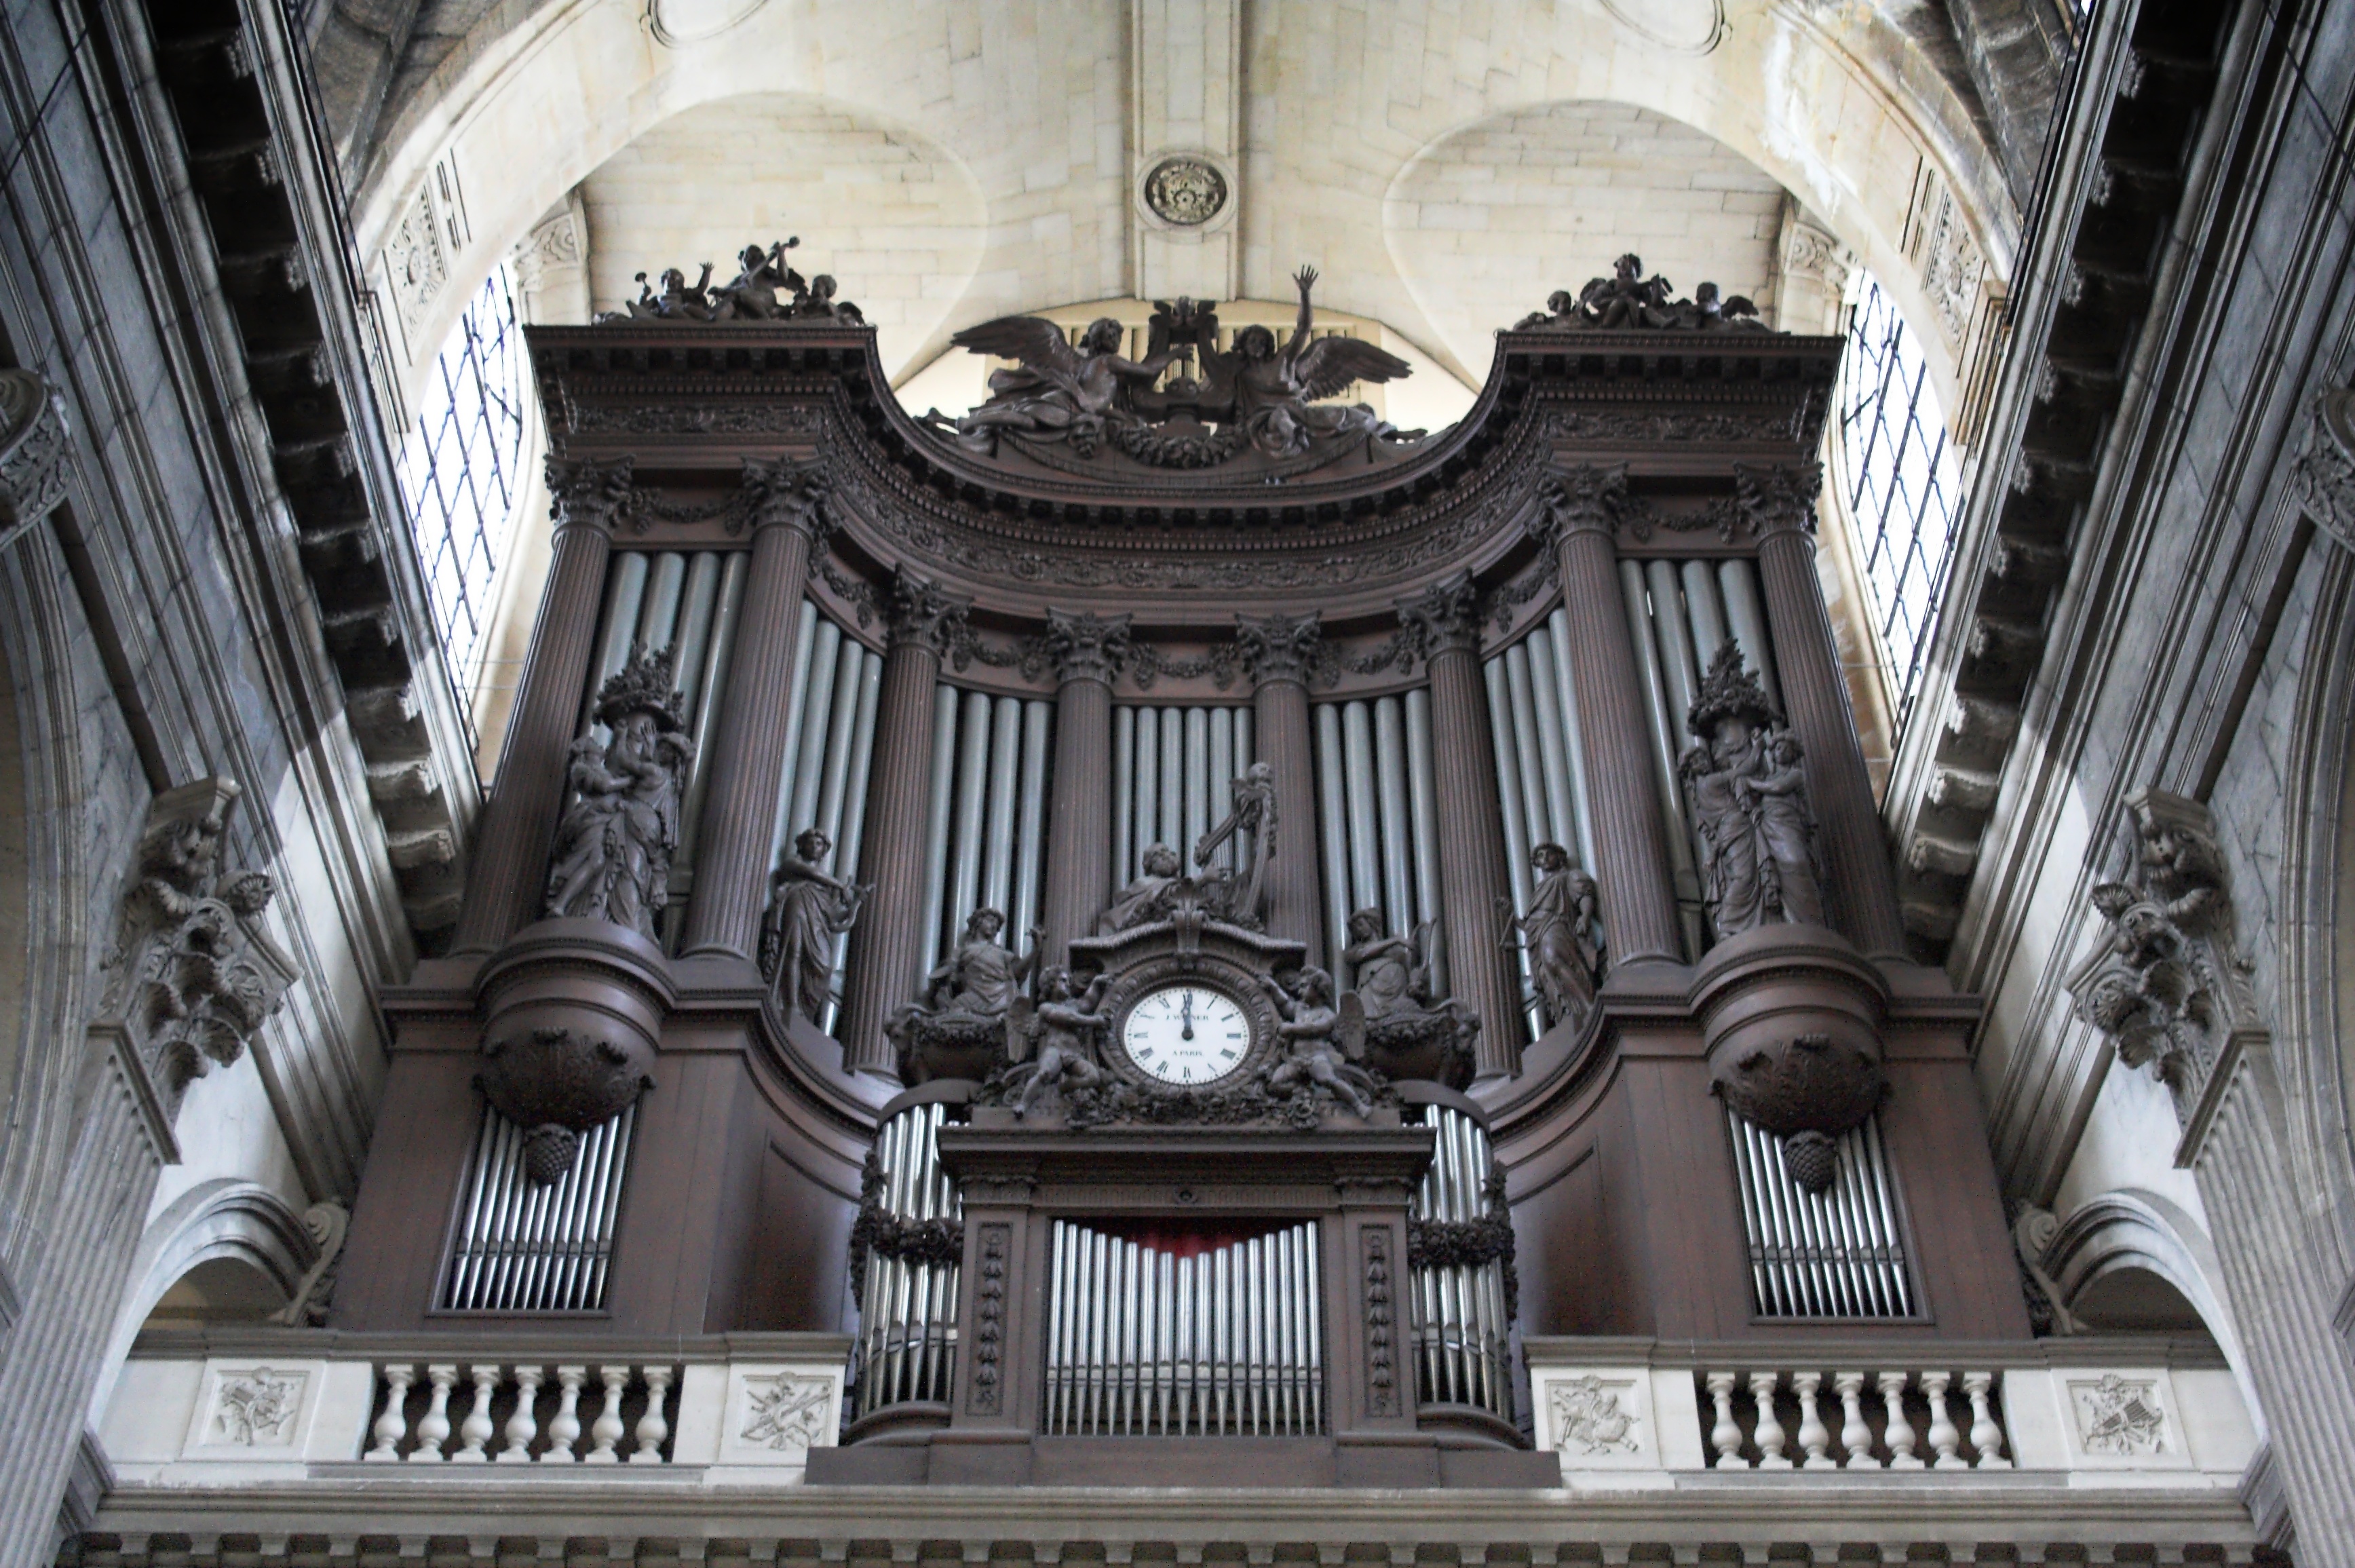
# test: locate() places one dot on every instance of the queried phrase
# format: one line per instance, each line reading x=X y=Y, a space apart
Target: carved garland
x=1382 y=1374
x=879 y=1233
x=1470 y=1243
x=989 y=1321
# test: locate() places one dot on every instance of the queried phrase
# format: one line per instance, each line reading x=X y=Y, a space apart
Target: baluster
x=653 y=1429
x=1944 y=1439
x=1855 y=1435
x=474 y=1432
x=1770 y=1431
x=607 y=1429
x=1725 y=1435
x=1985 y=1436
x=564 y=1428
x=1900 y=1431
x=524 y=1425
x=393 y=1424
x=433 y=1426
x=1813 y=1436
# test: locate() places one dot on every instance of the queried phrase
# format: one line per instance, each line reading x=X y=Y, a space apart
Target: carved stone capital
x=1778 y=499
x=1444 y=617
x=1083 y=646
x=32 y=451
x=1580 y=497
x=1280 y=647
x=2324 y=475
x=583 y=494
x=790 y=493
x=923 y=613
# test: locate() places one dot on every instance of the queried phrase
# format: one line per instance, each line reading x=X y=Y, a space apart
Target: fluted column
x=1279 y=651
x=887 y=954
x=1630 y=846
x=1086 y=651
x=1472 y=873
x=504 y=882
x=723 y=916
x=1780 y=504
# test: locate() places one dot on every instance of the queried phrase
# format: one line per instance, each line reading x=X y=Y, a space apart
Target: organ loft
x=1181 y=924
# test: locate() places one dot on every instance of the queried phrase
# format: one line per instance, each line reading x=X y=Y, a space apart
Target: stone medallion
x=1186 y=191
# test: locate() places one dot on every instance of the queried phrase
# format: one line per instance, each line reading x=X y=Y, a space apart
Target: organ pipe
x=1171 y=767
x=521 y=1247
x=1422 y=822
x=1837 y=1253
x=906 y=1348
x=1462 y=1337
x=986 y=827
x=1333 y=834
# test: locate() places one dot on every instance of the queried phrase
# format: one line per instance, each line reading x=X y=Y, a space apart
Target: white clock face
x=1186 y=1034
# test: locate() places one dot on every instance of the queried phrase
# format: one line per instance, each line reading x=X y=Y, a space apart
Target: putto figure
x=613 y=847
x=1063 y=1029
x=765 y=288
x=1747 y=793
x=1314 y=1059
x=1628 y=301
x=808 y=908
x=1562 y=935
x=1059 y=391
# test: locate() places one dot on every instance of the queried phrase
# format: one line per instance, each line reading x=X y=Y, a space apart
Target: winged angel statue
x=1256 y=392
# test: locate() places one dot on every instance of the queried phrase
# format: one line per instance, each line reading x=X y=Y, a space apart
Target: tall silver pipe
x=1422 y=815
x=1397 y=830
x=797 y=705
x=1675 y=637
x=1365 y=823
x=1124 y=849
x=1572 y=736
x=1553 y=765
x=1222 y=769
x=938 y=818
x=997 y=841
x=1514 y=810
x=1738 y=580
x=692 y=636
x=842 y=722
x=1197 y=781
x=817 y=713
x=972 y=803
x=1333 y=836
x=1173 y=779
x=625 y=588
x=719 y=648
x=1527 y=750
x=1704 y=610
x=1029 y=849
x=852 y=842
x=1147 y=789
x=659 y=611
x=1244 y=757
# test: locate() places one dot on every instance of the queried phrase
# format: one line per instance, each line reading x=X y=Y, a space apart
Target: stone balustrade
x=2114 y=1404
x=221 y=1407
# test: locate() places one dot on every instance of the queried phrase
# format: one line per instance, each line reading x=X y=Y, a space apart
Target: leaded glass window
x=461 y=469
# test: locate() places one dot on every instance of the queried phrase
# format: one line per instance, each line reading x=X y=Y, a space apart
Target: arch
x=2130 y=1228
x=221 y=1219
x=1836 y=110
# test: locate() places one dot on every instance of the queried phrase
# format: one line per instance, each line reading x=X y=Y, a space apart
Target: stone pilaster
x=510 y=861
x=1280 y=651
x=1087 y=652
x=887 y=953
x=1445 y=620
x=723 y=916
x=1779 y=503
x=1631 y=846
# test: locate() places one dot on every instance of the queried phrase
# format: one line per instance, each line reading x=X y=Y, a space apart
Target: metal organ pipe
x=1172 y=829
x=1462 y=1337
x=1333 y=834
x=1677 y=670
x=971 y=809
x=1124 y=797
x=1171 y=767
x=1365 y=823
x=625 y=589
x=906 y=1348
x=1377 y=817
x=1561 y=817
x=523 y=1248
x=1030 y=846
x=1398 y=847
x=986 y=828
x=1422 y=821
x=659 y=611
x=1837 y=1253
x=1573 y=734
x=1746 y=618
x=998 y=851
x=1704 y=608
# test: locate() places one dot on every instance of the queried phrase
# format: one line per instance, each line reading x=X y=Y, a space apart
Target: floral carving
x=1381 y=1371
x=989 y=1321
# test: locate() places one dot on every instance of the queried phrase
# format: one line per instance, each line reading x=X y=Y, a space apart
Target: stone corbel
x=2323 y=477
x=33 y=449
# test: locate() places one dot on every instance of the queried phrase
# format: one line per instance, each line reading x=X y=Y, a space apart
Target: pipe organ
x=1539 y=977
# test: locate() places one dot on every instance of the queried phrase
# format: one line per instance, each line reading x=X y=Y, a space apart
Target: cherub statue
x=1147 y=899
x=676 y=302
x=1708 y=312
x=1562 y=935
x=1064 y=1029
x=1306 y=1001
x=1253 y=814
x=1059 y=392
x=1276 y=390
x=808 y=908
x=822 y=302
x=753 y=295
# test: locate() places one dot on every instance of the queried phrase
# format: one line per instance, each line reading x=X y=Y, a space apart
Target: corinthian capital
x=789 y=492
x=1444 y=616
x=1779 y=497
x=923 y=613
x=589 y=495
x=1280 y=647
x=1083 y=646
x=1576 y=496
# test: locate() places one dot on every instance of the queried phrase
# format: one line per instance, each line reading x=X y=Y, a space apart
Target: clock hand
x=1188 y=1032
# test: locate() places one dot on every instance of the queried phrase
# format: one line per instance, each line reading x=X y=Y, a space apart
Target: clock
x=1186 y=1034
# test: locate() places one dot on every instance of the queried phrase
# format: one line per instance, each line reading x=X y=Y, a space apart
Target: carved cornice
x=587 y=494
x=1083 y=645
x=789 y=492
x=922 y=614
x=32 y=452
x=1778 y=498
x=2324 y=475
x=1281 y=647
x=1444 y=617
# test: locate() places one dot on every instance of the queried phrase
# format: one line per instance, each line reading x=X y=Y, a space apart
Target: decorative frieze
x=33 y=449
x=2324 y=475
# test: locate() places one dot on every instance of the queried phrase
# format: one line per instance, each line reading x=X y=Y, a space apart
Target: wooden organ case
x=1184 y=922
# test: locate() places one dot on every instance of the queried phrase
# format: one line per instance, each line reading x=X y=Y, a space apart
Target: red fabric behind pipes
x=1184 y=1238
